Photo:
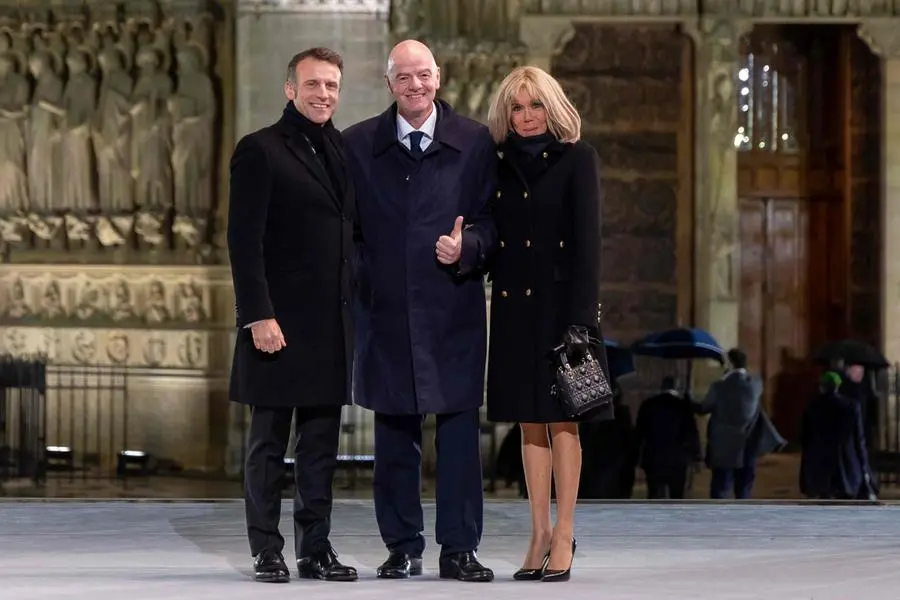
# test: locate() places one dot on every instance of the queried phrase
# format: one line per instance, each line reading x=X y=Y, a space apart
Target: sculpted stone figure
x=111 y=134
x=13 y=111
x=17 y=307
x=79 y=100
x=445 y=19
x=44 y=134
x=150 y=145
x=193 y=110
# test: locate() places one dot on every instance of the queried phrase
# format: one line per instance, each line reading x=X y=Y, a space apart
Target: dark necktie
x=415 y=139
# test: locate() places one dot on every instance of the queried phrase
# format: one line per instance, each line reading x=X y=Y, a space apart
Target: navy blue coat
x=421 y=333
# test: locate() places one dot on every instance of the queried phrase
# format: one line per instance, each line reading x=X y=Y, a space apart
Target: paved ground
x=143 y=550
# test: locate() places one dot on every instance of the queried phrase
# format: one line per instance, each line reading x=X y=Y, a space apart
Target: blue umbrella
x=619 y=358
x=681 y=343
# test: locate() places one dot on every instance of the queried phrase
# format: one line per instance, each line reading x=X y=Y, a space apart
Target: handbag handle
x=564 y=359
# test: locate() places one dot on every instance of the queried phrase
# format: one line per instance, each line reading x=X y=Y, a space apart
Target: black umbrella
x=852 y=352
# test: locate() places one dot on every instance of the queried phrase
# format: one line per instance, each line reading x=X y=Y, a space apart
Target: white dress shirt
x=427 y=128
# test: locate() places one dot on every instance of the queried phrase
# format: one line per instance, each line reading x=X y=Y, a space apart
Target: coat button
x=498 y=193
x=528 y=243
x=524 y=194
x=502 y=244
x=503 y=294
x=545 y=155
x=528 y=292
x=499 y=154
x=562 y=244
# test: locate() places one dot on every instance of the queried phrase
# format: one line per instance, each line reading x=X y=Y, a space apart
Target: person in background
x=834 y=462
x=668 y=441
x=733 y=403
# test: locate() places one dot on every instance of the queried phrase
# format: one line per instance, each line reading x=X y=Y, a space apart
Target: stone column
x=545 y=37
x=883 y=38
x=269 y=34
x=716 y=211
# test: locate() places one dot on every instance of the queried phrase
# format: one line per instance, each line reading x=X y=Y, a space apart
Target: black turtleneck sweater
x=314 y=133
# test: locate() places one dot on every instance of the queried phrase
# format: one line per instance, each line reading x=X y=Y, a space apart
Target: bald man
x=423 y=176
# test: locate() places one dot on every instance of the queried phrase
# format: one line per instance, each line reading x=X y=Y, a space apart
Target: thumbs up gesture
x=449 y=247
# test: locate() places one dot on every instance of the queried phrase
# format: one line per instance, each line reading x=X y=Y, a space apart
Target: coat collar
x=446 y=133
x=554 y=149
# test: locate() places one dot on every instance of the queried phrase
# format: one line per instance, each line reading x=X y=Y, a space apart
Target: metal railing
x=62 y=420
x=883 y=425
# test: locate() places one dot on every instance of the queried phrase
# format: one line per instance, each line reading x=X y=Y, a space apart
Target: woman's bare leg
x=538 y=462
x=566 y=474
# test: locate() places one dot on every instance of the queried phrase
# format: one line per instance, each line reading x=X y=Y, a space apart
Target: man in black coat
x=290 y=239
x=668 y=441
x=423 y=175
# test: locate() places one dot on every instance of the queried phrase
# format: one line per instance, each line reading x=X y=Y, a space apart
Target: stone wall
x=267 y=38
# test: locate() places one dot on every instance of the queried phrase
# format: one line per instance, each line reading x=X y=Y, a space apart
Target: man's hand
x=267 y=336
x=449 y=247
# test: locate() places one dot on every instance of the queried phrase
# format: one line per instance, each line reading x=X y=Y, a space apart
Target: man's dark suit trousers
x=318 y=435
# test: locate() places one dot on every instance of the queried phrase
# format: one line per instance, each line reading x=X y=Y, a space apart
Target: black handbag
x=582 y=384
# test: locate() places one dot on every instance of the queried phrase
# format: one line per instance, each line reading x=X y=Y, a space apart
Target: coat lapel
x=335 y=158
x=306 y=154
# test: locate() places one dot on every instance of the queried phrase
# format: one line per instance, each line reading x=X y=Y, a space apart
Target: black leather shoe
x=269 y=567
x=556 y=575
x=532 y=574
x=325 y=565
x=464 y=566
x=400 y=566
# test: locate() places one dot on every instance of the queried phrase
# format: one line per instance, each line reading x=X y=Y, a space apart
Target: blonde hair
x=563 y=121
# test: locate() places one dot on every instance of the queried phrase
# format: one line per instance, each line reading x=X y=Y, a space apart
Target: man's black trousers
x=318 y=435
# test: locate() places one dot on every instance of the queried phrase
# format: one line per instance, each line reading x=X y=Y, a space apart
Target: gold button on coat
x=524 y=194
x=562 y=244
x=545 y=155
x=502 y=244
x=528 y=243
x=498 y=193
x=503 y=294
x=528 y=292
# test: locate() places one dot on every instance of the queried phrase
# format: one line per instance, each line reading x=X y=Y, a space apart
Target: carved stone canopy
x=376 y=7
x=882 y=36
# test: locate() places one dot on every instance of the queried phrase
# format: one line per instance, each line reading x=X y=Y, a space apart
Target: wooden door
x=777 y=235
x=774 y=310
x=807 y=210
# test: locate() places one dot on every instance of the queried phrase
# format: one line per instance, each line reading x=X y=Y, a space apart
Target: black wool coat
x=545 y=272
x=422 y=332
x=290 y=241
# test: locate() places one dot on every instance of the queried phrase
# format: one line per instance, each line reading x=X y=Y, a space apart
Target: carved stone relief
x=98 y=346
x=107 y=127
x=724 y=8
x=114 y=300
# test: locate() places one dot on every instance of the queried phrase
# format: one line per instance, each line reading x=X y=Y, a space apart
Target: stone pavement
x=125 y=550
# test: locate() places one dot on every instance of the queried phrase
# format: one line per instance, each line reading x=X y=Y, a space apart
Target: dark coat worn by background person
x=290 y=239
x=421 y=337
x=668 y=442
x=834 y=461
x=545 y=270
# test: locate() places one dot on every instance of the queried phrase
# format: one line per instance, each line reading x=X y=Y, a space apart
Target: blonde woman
x=545 y=272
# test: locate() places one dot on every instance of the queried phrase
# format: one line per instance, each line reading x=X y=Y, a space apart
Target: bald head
x=413 y=79
x=409 y=52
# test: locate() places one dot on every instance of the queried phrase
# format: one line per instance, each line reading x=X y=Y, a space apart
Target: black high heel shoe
x=533 y=574
x=556 y=575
